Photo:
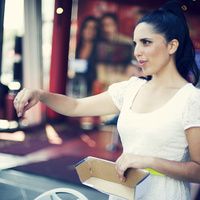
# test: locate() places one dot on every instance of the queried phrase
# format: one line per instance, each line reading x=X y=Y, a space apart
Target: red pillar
x=60 y=47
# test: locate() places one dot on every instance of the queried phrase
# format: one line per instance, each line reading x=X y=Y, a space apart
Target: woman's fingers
x=127 y=160
x=121 y=168
x=23 y=101
x=29 y=105
x=17 y=102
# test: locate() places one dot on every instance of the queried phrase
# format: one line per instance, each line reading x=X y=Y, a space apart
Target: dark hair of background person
x=111 y=15
x=91 y=72
x=83 y=26
x=171 y=23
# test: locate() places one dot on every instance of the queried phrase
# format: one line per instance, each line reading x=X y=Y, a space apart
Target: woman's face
x=151 y=49
x=90 y=30
x=109 y=27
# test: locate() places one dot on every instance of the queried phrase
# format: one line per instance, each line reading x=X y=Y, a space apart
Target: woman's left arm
x=187 y=171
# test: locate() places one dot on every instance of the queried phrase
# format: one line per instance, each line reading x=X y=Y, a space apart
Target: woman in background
x=86 y=48
x=110 y=29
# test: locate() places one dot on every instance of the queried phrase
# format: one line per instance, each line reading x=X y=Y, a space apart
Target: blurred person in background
x=109 y=27
x=86 y=48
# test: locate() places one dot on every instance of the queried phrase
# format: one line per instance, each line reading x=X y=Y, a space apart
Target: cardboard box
x=101 y=175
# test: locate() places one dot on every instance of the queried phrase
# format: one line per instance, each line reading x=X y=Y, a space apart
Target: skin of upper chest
x=148 y=100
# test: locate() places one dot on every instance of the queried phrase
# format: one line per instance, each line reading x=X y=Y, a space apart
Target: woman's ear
x=173 y=46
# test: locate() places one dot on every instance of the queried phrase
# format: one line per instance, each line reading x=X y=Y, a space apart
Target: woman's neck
x=86 y=50
x=168 y=77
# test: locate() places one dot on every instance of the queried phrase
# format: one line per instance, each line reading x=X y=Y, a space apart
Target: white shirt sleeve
x=191 y=113
x=118 y=90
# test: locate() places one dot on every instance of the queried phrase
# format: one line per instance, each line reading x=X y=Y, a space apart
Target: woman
x=159 y=119
x=86 y=48
x=109 y=29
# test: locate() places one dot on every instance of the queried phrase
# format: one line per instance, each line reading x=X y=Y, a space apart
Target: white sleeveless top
x=160 y=133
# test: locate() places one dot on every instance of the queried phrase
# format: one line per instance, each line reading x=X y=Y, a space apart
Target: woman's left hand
x=128 y=160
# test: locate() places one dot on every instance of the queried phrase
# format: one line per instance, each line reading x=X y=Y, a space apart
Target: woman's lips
x=142 y=62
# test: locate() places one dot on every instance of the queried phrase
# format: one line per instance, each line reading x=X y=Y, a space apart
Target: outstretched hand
x=26 y=99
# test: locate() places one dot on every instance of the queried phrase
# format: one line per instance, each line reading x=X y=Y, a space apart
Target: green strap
x=154 y=172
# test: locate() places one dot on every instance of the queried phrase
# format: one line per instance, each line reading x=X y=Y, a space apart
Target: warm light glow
x=52 y=135
x=184 y=7
x=59 y=10
x=90 y=142
x=4 y=124
x=18 y=136
x=14 y=85
x=13 y=124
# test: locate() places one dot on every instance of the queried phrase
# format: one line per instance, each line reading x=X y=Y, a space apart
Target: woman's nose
x=137 y=51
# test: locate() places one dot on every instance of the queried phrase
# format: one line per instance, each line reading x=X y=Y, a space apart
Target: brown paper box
x=101 y=175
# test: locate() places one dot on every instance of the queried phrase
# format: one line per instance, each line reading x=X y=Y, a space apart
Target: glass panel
x=11 y=71
x=100 y=50
x=47 y=30
x=12 y=41
x=100 y=45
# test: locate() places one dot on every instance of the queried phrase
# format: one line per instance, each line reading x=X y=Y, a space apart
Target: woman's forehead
x=145 y=30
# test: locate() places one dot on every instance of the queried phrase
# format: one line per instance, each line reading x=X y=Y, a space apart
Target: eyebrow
x=142 y=39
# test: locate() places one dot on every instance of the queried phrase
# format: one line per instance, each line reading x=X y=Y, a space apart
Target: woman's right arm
x=100 y=104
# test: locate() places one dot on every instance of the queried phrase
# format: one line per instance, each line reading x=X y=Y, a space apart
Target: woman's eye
x=146 y=42
x=134 y=44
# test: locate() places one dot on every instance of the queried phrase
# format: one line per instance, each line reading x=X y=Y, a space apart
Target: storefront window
x=12 y=41
x=100 y=45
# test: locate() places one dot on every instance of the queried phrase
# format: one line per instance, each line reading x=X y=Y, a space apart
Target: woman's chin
x=147 y=73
